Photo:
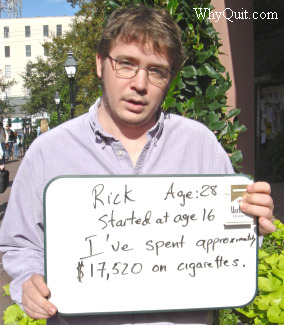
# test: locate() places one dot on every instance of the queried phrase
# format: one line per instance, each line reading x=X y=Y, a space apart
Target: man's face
x=132 y=102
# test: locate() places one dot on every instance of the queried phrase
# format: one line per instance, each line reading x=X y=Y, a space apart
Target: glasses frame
x=137 y=70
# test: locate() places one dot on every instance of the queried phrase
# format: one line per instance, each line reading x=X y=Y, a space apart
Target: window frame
x=45 y=51
x=28 y=31
x=6 y=32
x=59 y=30
x=8 y=72
x=45 y=30
x=7 y=51
x=28 y=51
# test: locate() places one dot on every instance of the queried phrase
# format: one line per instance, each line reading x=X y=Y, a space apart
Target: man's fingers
x=265 y=226
x=258 y=203
x=34 y=310
x=34 y=299
x=38 y=282
x=37 y=306
x=257 y=211
x=259 y=187
x=259 y=199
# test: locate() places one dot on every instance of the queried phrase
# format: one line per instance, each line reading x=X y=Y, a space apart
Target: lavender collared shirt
x=175 y=145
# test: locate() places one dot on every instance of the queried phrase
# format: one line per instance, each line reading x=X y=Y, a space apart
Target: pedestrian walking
x=16 y=147
x=10 y=136
x=3 y=145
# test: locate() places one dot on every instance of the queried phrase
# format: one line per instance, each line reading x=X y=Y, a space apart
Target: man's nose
x=140 y=81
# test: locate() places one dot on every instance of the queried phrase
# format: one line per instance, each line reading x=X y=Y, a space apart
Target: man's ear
x=99 y=63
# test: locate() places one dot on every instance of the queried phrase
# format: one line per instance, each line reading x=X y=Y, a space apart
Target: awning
x=17 y=120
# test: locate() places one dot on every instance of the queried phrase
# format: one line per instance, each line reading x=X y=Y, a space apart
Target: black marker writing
x=80 y=272
x=156 y=246
x=101 y=198
x=111 y=220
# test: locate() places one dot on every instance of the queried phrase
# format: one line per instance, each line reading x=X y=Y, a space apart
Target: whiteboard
x=123 y=244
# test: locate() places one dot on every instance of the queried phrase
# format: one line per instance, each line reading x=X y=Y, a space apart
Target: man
x=11 y=140
x=124 y=132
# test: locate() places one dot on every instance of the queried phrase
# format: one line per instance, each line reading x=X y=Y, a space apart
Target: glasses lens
x=126 y=69
x=157 y=75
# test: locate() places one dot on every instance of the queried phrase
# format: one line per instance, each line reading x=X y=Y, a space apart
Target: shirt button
x=120 y=153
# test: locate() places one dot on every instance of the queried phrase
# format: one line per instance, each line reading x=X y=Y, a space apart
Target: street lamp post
x=57 y=102
x=70 y=66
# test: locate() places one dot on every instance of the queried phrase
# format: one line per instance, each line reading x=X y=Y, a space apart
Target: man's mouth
x=136 y=101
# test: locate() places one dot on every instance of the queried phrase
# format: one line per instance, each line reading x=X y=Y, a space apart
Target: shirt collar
x=154 y=132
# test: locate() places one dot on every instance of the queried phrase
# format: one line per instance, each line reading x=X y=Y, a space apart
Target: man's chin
x=135 y=121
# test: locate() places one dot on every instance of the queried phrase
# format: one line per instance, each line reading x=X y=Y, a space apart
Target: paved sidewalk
x=12 y=166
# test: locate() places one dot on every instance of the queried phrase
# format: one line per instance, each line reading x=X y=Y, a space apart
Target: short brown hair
x=141 y=24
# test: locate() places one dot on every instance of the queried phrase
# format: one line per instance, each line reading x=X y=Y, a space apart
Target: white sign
x=148 y=243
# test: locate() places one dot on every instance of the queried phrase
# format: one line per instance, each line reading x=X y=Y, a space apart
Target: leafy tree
x=87 y=30
x=40 y=79
x=46 y=76
x=5 y=106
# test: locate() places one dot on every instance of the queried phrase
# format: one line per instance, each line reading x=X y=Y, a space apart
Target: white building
x=21 y=40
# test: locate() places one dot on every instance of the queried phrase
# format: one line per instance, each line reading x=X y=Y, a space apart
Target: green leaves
x=268 y=306
x=6 y=290
x=203 y=56
x=268 y=284
x=14 y=315
x=172 y=6
x=5 y=107
x=189 y=71
x=201 y=92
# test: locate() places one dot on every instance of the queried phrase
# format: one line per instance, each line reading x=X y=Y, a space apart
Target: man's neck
x=132 y=137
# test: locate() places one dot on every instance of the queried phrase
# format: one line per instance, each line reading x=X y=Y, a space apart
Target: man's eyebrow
x=125 y=57
x=133 y=59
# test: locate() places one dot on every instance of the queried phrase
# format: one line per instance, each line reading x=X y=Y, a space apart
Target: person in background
x=16 y=146
x=10 y=136
x=20 y=140
x=43 y=127
x=3 y=145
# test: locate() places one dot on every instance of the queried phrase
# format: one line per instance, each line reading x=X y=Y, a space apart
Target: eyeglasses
x=128 y=70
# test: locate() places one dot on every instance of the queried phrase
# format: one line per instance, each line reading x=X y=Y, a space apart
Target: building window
x=7 y=71
x=45 y=30
x=6 y=32
x=59 y=30
x=45 y=51
x=28 y=69
x=28 y=50
x=28 y=31
x=7 y=51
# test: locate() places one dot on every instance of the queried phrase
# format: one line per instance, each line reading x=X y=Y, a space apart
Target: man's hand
x=34 y=299
x=259 y=203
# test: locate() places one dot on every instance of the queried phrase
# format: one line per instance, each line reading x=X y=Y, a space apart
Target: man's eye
x=125 y=64
x=161 y=72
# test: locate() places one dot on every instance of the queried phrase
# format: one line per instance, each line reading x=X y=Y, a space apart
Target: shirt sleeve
x=21 y=233
x=222 y=162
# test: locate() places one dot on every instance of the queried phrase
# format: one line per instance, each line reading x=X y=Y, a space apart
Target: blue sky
x=46 y=8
